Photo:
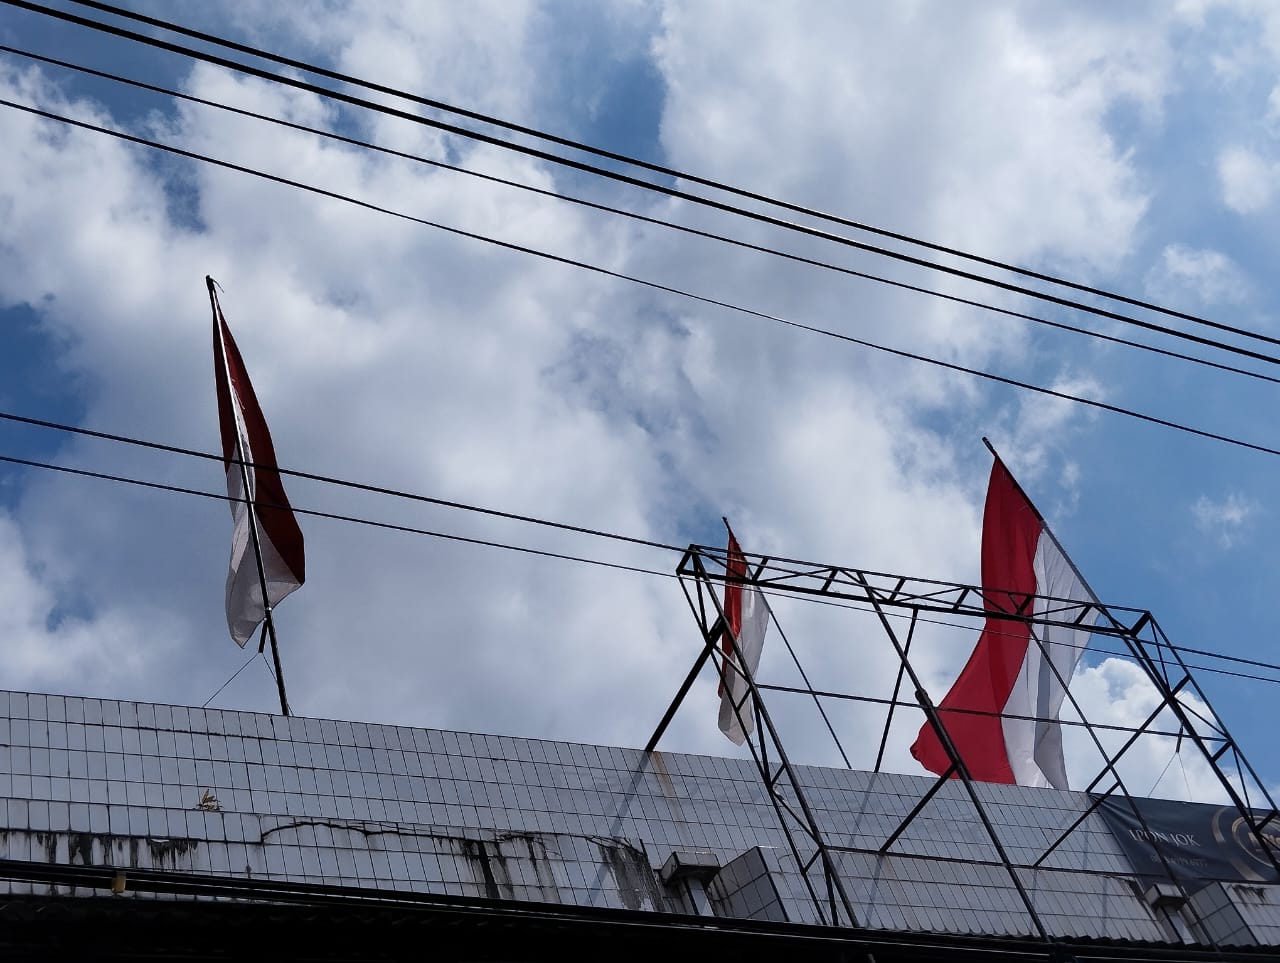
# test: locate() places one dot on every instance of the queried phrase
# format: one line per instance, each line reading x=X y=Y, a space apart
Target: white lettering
x=1155 y=836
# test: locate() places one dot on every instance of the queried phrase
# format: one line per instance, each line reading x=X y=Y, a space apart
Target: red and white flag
x=245 y=438
x=747 y=615
x=1008 y=675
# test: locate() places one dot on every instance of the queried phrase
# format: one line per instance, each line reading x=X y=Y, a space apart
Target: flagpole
x=1043 y=524
x=253 y=516
x=262 y=579
x=794 y=658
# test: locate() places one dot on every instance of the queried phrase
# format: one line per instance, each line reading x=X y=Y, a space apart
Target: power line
x=234 y=675
x=648 y=185
x=181 y=490
x=626 y=159
x=643 y=218
x=338 y=517
x=325 y=479
x=656 y=285
x=508 y=245
x=489 y=543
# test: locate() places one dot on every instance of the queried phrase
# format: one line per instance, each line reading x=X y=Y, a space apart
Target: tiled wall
x=1221 y=917
x=1258 y=908
x=747 y=887
x=98 y=781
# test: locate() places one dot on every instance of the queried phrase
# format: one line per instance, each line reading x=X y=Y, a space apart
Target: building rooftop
x=160 y=802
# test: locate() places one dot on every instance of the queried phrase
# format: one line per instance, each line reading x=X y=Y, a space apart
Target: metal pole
x=249 y=503
x=897 y=690
x=1171 y=699
x=760 y=756
x=962 y=770
x=809 y=823
x=262 y=577
x=1109 y=765
x=1137 y=646
x=796 y=659
x=1044 y=525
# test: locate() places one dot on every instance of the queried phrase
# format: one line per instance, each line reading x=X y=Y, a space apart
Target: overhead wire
x=666 y=190
x=642 y=218
x=336 y=516
x=576 y=529
x=234 y=676
x=809 y=690
x=629 y=160
x=192 y=155
x=376 y=489
x=594 y=268
x=653 y=285
x=586 y=560
x=327 y=480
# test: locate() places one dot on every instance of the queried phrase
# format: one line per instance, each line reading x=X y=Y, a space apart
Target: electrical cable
x=218 y=691
x=642 y=218
x=327 y=480
x=659 y=188
x=629 y=160
x=1164 y=770
x=538 y=253
x=656 y=285
x=121 y=479
x=335 y=516
x=594 y=268
x=177 y=489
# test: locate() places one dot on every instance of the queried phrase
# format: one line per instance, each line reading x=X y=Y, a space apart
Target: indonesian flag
x=245 y=438
x=1008 y=675
x=747 y=616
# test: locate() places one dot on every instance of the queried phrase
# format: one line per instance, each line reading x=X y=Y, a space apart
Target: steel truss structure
x=703 y=568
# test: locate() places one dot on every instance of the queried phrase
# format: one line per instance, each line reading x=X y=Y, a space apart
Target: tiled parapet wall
x=134 y=784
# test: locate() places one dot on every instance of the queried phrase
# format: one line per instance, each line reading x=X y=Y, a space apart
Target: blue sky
x=1134 y=148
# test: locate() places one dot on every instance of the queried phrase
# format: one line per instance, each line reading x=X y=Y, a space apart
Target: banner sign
x=1199 y=842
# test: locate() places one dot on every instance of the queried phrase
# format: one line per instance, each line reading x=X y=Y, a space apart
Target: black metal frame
x=702 y=567
x=804 y=837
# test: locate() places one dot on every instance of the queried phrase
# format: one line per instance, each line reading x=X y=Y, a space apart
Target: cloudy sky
x=1133 y=147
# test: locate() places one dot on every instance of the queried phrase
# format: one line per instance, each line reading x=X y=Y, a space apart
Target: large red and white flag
x=747 y=615
x=1017 y=739
x=245 y=438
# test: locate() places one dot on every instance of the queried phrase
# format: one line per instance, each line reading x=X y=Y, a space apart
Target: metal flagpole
x=1044 y=525
x=1169 y=697
x=249 y=503
x=794 y=658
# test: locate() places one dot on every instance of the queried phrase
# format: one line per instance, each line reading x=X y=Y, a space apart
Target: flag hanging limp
x=268 y=525
x=1013 y=734
x=747 y=616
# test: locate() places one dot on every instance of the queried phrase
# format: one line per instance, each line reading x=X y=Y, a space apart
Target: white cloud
x=1035 y=439
x=1200 y=276
x=1118 y=692
x=930 y=117
x=42 y=639
x=1227 y=520
x=1248 y=180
